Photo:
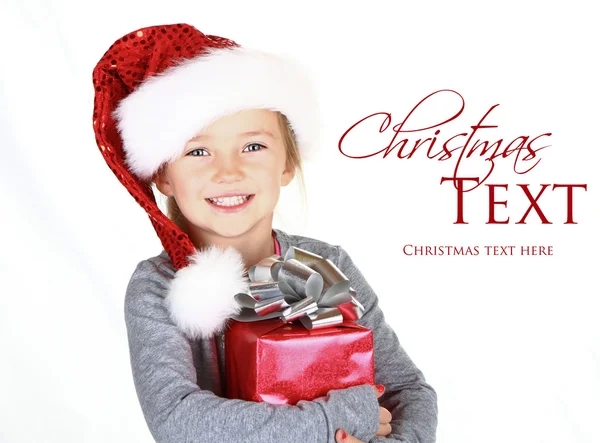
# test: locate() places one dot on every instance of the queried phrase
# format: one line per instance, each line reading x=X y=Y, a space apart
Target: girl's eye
x=255 y=144
x=196 y=150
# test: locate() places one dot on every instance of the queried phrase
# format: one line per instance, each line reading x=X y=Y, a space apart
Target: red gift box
x=283 y=363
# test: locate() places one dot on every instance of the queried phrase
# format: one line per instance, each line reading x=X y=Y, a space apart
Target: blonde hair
x=293 y=161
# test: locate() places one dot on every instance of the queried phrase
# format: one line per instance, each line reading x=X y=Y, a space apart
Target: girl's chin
x=223 y=227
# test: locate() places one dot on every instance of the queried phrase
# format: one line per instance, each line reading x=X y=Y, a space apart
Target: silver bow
x=302 y=286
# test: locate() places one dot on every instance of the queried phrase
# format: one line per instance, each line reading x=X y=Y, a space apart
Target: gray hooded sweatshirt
x=180 y=382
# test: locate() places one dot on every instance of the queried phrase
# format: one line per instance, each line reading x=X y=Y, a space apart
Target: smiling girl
x=219 y=129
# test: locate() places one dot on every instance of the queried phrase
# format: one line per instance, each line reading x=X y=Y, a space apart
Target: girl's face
x=241 y=154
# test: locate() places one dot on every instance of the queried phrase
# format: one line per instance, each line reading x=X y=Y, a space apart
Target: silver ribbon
x=300 y=286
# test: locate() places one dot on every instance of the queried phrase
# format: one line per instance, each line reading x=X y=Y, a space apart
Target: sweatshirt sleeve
x=411 y=401
x=177 y=410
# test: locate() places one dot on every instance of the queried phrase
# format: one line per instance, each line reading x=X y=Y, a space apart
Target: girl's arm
x=412 y=402
x=178 y=411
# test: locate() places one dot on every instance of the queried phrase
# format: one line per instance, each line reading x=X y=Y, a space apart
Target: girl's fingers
x=385 y=416
x=384 y=430
x=379 y=390
x=342 y=436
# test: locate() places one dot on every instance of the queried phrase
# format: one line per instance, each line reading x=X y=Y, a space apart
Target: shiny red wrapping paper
x=278 y=363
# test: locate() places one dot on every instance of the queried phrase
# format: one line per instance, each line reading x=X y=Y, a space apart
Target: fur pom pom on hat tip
x=201 y=296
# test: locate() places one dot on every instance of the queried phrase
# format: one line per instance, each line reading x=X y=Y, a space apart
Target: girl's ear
x=162 y=183
x=287 y=176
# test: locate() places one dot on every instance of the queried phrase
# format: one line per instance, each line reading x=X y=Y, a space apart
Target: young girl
x=219 y=129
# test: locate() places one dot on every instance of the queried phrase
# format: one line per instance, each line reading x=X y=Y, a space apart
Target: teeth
x=230 y=201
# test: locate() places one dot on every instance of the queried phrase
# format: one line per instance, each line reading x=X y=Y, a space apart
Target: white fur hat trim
x=166 y=110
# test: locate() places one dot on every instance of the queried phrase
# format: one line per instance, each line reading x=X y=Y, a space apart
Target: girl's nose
x=228 y=170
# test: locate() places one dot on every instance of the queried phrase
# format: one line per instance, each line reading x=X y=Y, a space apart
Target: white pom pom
x=201 y=297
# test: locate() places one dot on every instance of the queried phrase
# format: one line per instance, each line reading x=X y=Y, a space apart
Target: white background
x=511 y=344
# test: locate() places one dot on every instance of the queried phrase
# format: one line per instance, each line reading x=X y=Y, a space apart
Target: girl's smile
x=230 y=204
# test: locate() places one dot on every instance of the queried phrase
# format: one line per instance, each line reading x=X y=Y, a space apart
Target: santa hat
x=155 y=89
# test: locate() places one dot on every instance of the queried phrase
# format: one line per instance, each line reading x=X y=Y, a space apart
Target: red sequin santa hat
x=155 y=89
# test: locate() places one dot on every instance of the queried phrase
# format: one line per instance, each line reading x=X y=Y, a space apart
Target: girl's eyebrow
x=262 y=132
x=241 y=134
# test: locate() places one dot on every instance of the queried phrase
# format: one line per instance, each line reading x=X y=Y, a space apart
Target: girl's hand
x=384 y=423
